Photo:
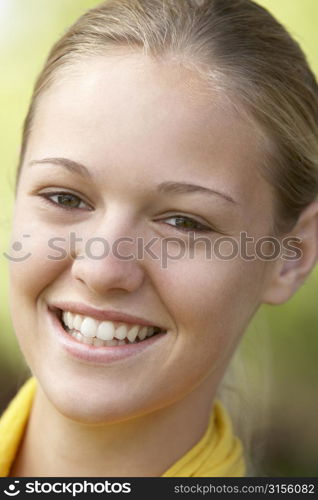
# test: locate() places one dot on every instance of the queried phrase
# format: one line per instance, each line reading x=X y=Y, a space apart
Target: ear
x=286 y=276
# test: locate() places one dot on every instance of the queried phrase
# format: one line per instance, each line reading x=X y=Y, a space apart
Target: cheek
x=33 y=266
x=212 y=301
x=37 y=264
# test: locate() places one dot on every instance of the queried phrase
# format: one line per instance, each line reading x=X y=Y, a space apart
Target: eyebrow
x=71 y=165
x=184 y=188
x=163 y=187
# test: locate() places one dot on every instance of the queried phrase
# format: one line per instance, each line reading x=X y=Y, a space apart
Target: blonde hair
x=242 y=50
x=240 y=44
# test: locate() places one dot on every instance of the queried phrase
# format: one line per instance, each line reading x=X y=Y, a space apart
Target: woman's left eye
x=65 y=200
x=187 y=224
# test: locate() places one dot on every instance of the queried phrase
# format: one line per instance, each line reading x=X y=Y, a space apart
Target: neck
x=67 y=448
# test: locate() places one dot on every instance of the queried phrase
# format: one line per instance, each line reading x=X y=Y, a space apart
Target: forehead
x=128 y=110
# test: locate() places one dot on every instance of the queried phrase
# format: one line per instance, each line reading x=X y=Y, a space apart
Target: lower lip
x=100 y=355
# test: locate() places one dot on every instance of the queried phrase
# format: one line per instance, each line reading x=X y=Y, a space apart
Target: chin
x=88 y=401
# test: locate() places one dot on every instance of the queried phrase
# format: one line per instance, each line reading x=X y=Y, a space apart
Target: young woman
x=169 y=147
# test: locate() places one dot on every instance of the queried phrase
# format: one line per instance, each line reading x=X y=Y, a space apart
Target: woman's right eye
x=65 y=200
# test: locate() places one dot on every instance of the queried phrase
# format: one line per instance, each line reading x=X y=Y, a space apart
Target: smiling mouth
x=88 y=330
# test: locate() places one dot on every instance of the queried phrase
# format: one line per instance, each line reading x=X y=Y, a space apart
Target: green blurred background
x=275 y=379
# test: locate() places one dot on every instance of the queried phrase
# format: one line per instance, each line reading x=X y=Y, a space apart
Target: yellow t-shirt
x=217 y=454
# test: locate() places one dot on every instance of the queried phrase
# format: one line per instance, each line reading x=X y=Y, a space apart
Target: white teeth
x=67 y=318
x=89 y=327
x=121 y=332
x=77 y=323
x=106 y=330
x=71 y=318
x=132 y=334
x=143 y=332
x=150 y=331
x=96 y=342
x=101 y=333
x=64 y=318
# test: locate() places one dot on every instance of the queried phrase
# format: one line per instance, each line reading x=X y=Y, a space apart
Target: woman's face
x=136 y=124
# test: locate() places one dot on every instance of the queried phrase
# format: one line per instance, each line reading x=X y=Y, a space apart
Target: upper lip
x=85 y=310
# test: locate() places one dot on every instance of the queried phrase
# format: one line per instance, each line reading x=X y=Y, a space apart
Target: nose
x=105 y=264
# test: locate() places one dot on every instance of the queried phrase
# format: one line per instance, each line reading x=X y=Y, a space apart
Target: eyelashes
x=189 y=223
x=65 y=200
